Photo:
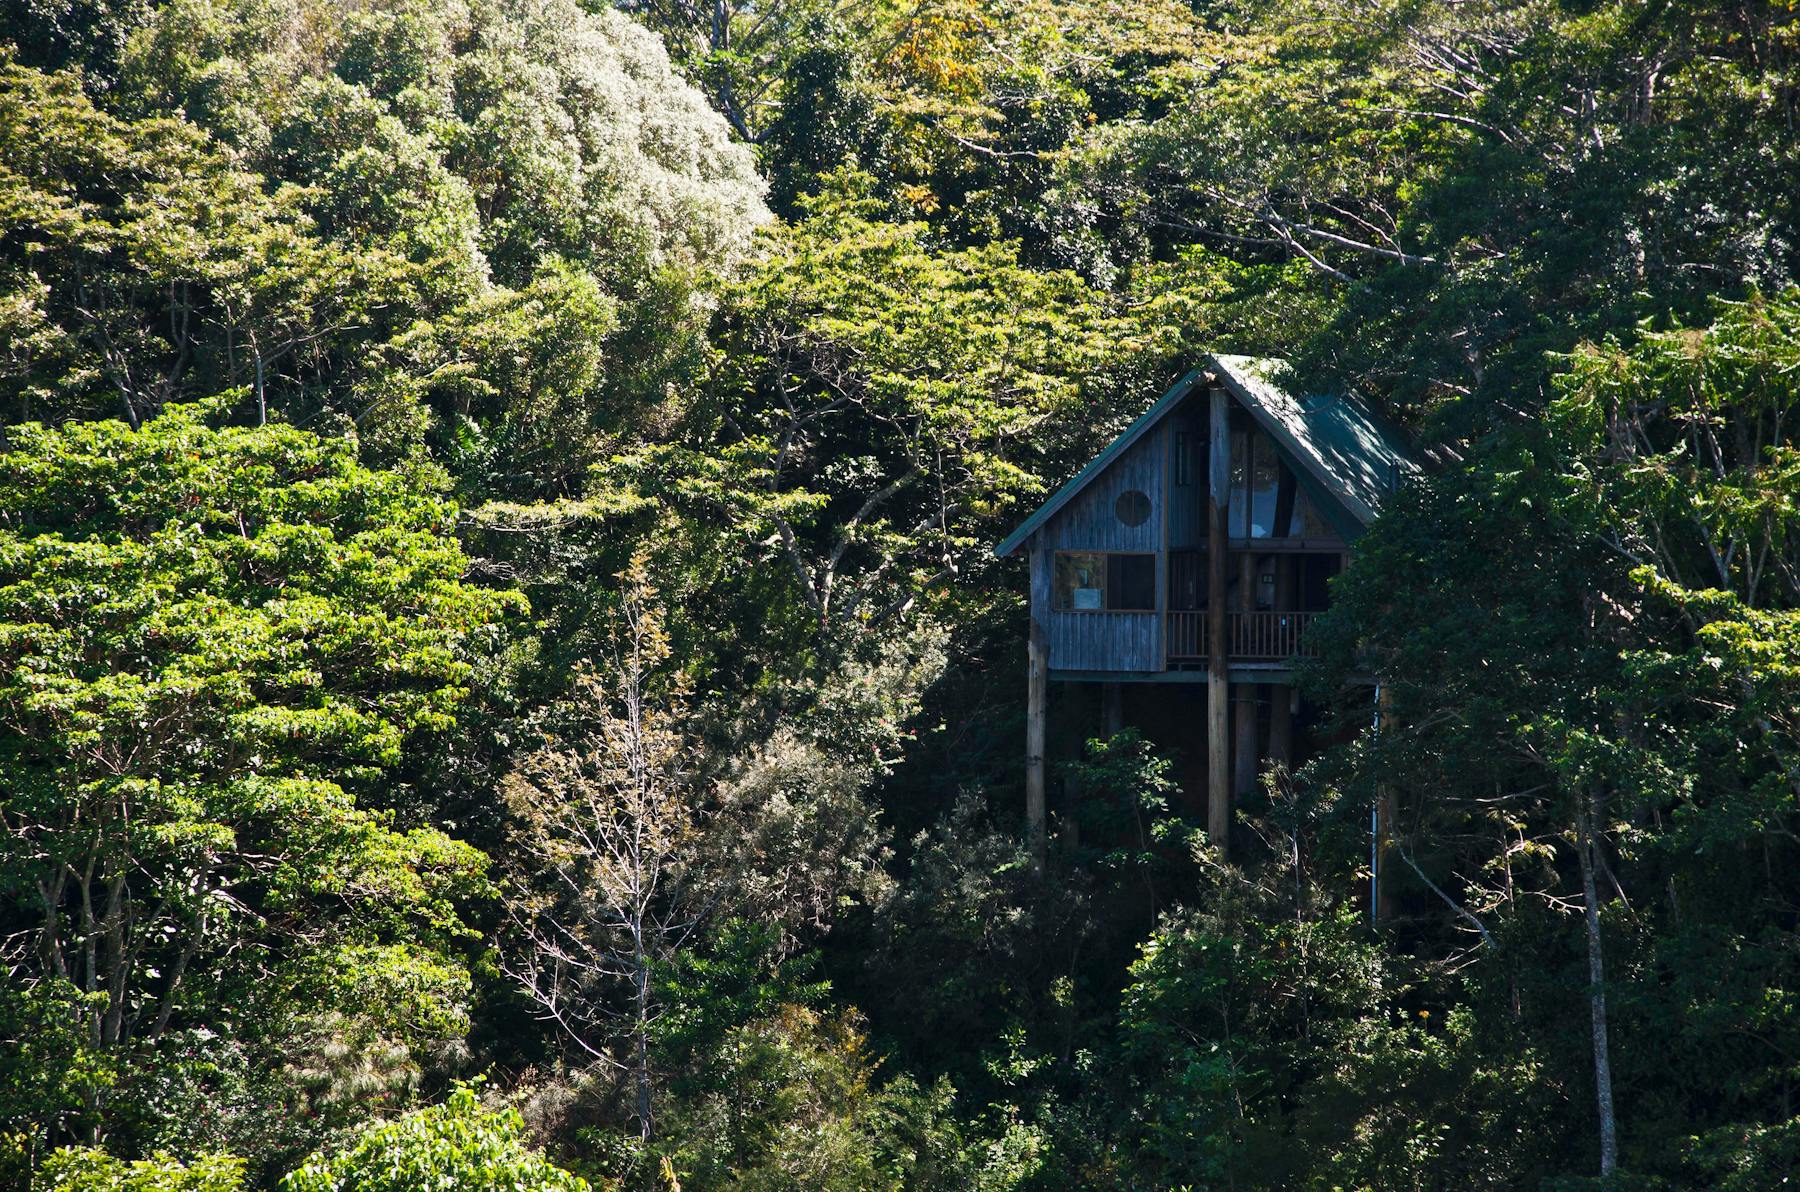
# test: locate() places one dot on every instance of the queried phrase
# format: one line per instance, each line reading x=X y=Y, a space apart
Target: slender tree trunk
x=1590 y=899
x=641 y=1046
x=1387 y=818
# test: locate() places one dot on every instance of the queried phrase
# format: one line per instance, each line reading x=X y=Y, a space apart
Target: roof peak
x=1354 y=455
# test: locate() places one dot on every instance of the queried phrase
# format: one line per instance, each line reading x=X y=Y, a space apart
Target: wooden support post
x=1387 y=815
x=1281 y=699
x=1281 y=726
x=1218 y=677
x=1112 y=708
x=1246 y=759
x=1037 y=690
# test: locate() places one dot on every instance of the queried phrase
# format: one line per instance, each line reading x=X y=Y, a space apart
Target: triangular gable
x=1114 y=450
x=1353 y=458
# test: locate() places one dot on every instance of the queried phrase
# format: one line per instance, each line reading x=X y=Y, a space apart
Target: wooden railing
x=1187 y=635
x=1259 y=636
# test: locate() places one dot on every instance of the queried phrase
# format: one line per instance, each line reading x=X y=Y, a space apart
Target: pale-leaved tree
x=605 y=820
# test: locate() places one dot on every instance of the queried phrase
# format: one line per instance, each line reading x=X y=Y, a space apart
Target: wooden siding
x=1040 y=584
x=1187 y=502
x=1089 y=522
x=1111 y=641
x=1106 y=641
x=1096 y=643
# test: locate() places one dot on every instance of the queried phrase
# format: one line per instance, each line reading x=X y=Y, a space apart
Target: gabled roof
x=1356 y=457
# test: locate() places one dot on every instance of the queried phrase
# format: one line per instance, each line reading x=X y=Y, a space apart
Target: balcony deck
x=1258 y=636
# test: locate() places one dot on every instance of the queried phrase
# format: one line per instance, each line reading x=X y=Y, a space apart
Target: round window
x=1133 y=508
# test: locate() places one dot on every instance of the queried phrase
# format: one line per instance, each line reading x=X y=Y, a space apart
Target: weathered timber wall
x=1115 y=641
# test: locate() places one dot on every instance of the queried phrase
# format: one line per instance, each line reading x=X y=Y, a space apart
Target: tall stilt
x=1387 y=815
x=1246 y=758
x=1281 y=699
x=1281 y=725
x=1218 y=677
x=1037 y=690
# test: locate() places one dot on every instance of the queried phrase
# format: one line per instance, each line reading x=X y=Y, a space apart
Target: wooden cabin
x=1198 y=548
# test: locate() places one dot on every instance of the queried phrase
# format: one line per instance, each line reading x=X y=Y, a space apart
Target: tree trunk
x=1387 y=820
x=1590 y=900
x=641 y=1047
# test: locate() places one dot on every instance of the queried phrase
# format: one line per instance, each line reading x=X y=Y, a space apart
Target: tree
x=878 y=408
x=1448 y=173
x=502 y=133
x=92 y=1170
x=457 y=1144
x=603 y=888
x=143 y=266
x=213 y=646
x=737 y=50
x=1592 y=702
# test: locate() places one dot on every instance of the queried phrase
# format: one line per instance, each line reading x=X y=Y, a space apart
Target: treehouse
x=1197 y=548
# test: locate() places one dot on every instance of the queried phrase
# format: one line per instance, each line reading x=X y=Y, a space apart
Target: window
x=1183 y=459
x=1265 y=479
x=1089 y=581
x=1238 y=510
x=1132 y=508
x=1266 y=498
x=1308 y=523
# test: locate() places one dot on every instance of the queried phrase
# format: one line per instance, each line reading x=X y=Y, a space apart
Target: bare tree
x=605 y=821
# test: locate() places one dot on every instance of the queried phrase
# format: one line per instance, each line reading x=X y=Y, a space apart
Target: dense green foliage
x=495 y=508
x=456 y=1144
x=218 y=645
x=89 y=1169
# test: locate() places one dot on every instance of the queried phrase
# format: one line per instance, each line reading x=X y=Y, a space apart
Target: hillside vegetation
x=504 y=681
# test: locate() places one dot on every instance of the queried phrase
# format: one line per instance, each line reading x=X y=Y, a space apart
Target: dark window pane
x=1187 y=580
x=1131 y=582
x=1238 y=509
x=1264 y=476
x=1308 y=522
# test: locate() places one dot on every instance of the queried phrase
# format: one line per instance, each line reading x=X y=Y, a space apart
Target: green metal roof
x=1356 y=456
x=1353 y=456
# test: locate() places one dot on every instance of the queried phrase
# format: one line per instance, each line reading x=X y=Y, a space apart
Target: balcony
x=1257 y=636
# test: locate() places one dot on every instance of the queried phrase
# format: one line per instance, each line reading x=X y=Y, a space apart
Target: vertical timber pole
x=1037 y=690
x=1218 y=677
x=1245 y=758
x=1112 y=706
x=1281 y=699
x=1387 y=815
